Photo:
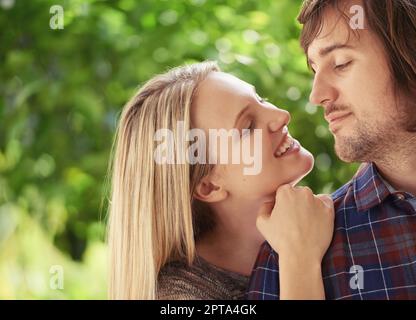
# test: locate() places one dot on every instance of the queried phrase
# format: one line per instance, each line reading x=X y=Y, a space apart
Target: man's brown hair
x=394 y=23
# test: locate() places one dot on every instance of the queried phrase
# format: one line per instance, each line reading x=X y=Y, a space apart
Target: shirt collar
x=369 y=188
x=388 y=185
x=410 y=198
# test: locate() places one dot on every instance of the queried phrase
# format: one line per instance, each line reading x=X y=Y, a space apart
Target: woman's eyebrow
x=242 y=111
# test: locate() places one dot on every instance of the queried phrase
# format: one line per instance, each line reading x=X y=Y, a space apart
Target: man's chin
x=345 y=152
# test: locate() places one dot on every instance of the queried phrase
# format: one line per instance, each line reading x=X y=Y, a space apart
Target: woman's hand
x=300 y=223
x=300 y=229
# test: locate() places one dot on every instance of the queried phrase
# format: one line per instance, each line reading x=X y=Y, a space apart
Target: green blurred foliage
x=62 y=90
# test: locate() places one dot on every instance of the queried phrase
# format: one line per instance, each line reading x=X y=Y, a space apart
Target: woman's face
x=226 y=102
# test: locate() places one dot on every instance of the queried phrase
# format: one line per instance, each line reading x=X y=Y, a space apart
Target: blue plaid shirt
x=373 y=250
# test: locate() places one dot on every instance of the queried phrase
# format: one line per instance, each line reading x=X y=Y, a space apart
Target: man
x=365 y=79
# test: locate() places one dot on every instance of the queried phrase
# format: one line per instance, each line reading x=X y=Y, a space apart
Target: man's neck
x=401 y=175
x=397 y=162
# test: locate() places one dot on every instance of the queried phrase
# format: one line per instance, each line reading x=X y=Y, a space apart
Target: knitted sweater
x=200 y=281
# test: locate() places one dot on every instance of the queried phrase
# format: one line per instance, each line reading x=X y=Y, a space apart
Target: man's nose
x=323 y=91
x=280 y=119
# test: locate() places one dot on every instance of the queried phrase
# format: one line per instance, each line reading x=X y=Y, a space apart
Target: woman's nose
x=281 y=118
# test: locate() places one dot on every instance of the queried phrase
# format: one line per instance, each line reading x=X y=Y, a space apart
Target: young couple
x=198 y=231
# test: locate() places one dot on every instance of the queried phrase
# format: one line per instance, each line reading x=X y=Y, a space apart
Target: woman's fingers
x=328 y=202
x=326 y=199
x=297 y=222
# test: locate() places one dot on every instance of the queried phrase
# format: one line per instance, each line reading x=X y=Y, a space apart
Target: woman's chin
x=308 y=161
x=305 y=167
x=294 y=173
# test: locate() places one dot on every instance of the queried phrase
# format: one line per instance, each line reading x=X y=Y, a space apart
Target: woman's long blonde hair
x=152 y=217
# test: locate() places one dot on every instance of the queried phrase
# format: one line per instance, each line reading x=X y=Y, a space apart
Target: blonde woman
x=187 y=230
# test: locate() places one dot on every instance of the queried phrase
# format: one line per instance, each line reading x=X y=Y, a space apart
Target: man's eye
x=342 y=66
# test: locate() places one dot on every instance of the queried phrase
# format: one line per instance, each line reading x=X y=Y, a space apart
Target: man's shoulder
x=344 y=195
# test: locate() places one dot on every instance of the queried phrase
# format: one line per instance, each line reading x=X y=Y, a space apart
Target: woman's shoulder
x=200 y=281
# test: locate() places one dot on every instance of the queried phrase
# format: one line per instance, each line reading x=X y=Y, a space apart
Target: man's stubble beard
x=369 y=143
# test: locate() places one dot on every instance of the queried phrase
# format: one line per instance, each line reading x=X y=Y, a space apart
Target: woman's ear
x=209 y=191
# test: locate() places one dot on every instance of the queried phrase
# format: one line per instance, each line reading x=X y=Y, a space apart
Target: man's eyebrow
x=327 y=50
x=242 y=111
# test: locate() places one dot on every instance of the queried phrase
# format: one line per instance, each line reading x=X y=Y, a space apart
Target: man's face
x=353 y=84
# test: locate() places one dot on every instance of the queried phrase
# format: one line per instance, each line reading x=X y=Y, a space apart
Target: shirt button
x=400 y=196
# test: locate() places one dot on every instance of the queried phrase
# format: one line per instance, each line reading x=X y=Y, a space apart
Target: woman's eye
x=262 y=100
x=249 y=128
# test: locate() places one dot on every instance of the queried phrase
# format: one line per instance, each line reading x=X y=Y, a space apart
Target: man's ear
x=209 y=191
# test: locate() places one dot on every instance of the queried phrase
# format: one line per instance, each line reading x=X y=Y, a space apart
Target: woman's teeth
x=287 y=144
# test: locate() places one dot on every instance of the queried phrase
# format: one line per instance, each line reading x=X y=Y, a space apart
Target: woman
x=188 y=231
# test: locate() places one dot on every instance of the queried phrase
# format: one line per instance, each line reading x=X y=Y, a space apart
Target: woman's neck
x=233 y=250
